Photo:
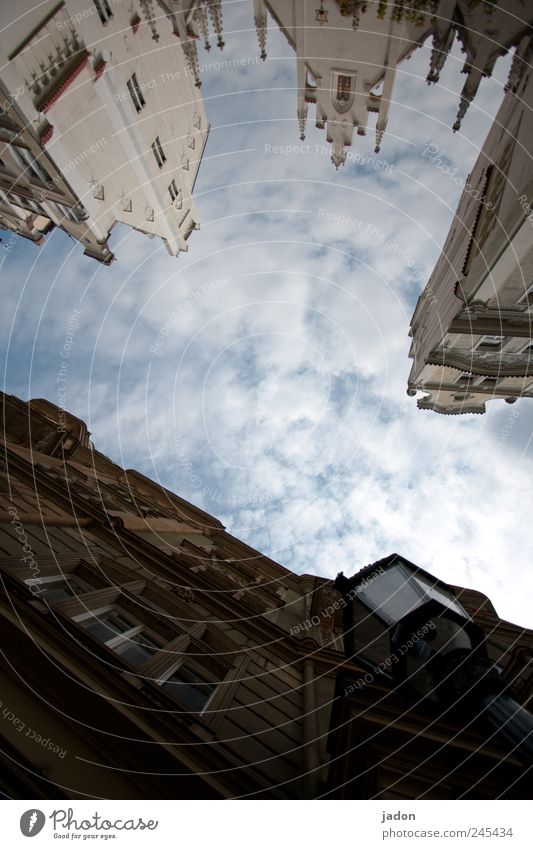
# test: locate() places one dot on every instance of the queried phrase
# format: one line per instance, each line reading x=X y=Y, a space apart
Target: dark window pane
x=106 y=627
x=190 y=688
x=137 y=650
x=57 y=594
x=61 y=589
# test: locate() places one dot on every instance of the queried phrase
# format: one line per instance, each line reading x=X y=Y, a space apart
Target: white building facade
x=348 y=51
x=473 y=326
x=101 y=118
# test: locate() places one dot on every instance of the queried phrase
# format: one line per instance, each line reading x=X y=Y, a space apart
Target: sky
x=262 y=375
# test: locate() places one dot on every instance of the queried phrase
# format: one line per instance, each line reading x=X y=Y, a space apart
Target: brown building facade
x=147 y=653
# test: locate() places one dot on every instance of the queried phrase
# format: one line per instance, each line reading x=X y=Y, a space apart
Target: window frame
x=465 y=380
x=63 y=579
x=175 y=194
x=104 y=11
x=125 y=637
x=195 y=668
x=527 y=297
x=34 y=171
x=159 y=153
x=485 y=345
x=136 y=93
x=494 y=382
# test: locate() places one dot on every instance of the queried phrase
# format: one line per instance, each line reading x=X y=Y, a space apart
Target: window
x=104 y=10
x=122 y=633
x=465 y=380
x=159 y=153
x=175 y=194
x=527 y=297
x=186 y=666
x=25 y=203
x=58 y=587
x=489 y=382
x=191 y=142
x=105 y=626
x=491 y=343
x=32 y=167
x=191 y=685
x=137 y=649
x=344 y=85
x=67 y=212
x=185 y=162
x=136 y=93
x=7 y=124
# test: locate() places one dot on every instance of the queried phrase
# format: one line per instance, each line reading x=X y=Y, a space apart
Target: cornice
x=483 y=363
